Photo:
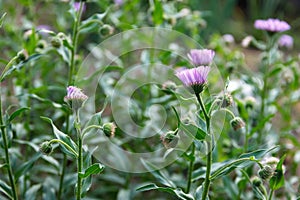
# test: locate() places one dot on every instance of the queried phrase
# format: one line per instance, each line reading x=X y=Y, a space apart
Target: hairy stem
x=209 y=149
x=191 y=168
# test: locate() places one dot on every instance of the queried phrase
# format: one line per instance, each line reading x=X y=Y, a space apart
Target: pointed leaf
x=25 y=167
x=17 y=113
x=64 y=137
x=32 y=192
x=2 y=19
x=5 y=189
x=277 y=180
x=175 y=191
x=93 y=169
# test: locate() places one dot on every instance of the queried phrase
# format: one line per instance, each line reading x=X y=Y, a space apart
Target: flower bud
x=22 y=55
x=169 y=139
x=168 y=87
x=256 y=181
x=266 y=172
x=75 y=97
x=56 y=42
x=106 y=30
x=249 y=102
x=42 y=44
x=61 y=36
x=227 y=100
x=46 y=147
x=237 y=123
x=109 y=129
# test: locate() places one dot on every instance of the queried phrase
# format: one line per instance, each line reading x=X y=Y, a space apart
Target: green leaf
x=224 y=168
x=93 y=169
x=277 y=180
x=25 y=167
x=17 y=113
x=47 y=101
x=95 y=19
x=65 y=138
x=275 y=71
x=158 y=13
x=193 y=131
x=175 y=191
x=159 y=174
x=13 y=68
x=3 y=165
x=32 y=192
x=5 y=189
x=2 y=19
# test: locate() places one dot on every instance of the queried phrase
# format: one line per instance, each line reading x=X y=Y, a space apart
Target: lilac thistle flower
x=118 y=2
x=272 y=25
x=75 y=97
x=77 y=6
x=195 y=78
x=286 y=41
x=201 y=56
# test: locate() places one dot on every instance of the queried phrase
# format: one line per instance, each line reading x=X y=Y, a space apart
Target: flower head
x=46 y=148
x=75 y=96
x=237 y=123
x=201 y=56
x=77 y=6
x=286 y=41
x=195 y=78
x=272 y=25
x=109 y=129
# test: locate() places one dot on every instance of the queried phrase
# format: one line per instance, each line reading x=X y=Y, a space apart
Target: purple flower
x=77 y=6
x=286 y=41
x=195 y=78
x=201 y=56
x=75 y=93
x=118 y=2
x=272 y=25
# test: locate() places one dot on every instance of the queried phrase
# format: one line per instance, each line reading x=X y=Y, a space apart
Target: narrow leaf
x=65 y=138
x=277 y=180
x=25 y=167
x=5 y=189
x=93 y=169
x=17 y=113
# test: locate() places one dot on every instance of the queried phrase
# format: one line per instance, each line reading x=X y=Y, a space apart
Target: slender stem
x=271 y=194
x=80 y=158
x=62 y=176
x=191 y=168
x=7 y=159
x=74 y=42
x=209 y=149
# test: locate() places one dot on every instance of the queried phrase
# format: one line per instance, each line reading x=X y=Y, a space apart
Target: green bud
x=46 y=147
x=109 y=129
x=249 y=102
x=56 y=42
x=227 y=100
x=169 y=139
x=256 y=181
x=266 y=172
x=237 y=123
x=22 y=55
x=106 y=30
x=168 y=87
x=42 y=44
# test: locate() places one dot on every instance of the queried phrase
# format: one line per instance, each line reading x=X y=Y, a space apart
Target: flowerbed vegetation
x=94 y=105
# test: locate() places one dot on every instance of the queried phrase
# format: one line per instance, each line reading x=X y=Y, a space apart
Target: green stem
x=209 y=150
x=271 y=194
x=74 y=42
x=62 y=176
x=191 y=168
x=7 y=159
x=80 y=158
